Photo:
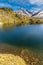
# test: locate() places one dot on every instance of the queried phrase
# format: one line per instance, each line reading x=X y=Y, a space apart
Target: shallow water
x=24 y=41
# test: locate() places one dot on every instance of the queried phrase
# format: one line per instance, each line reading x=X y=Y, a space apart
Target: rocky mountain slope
x=21 y=17
x=24 y=12
x=38 y=14
x=8 y=16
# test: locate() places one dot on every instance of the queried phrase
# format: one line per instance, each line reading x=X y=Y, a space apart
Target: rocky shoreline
x=28 y=56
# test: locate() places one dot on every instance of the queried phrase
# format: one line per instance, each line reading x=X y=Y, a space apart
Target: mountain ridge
x=24 y=12
x=9 y=18
x=38 y=14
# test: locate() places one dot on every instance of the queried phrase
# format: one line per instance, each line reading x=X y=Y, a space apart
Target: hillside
x=10 y=18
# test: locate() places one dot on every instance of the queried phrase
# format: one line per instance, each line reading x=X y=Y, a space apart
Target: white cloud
x=5 y=5
x=37 y=2
x=22 y=2
x=26 y=2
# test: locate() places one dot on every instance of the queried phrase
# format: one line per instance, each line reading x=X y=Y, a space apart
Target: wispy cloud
x=33 y=5
x=22 y=2
x=37 y=2
x=5 y=5
x=27 y=2
x=9 y=6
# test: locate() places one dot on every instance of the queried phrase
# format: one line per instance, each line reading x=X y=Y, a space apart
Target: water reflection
x=31 y=36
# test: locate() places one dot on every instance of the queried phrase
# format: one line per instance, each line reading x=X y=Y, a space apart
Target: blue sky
x=33 y=5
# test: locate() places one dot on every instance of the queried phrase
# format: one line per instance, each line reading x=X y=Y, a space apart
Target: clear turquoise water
x=30 y=36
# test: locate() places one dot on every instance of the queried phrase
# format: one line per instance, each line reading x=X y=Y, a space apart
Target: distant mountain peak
x=38 y=14
x=24 y=12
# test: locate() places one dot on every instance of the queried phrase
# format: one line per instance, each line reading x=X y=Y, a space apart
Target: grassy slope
x=9 y=18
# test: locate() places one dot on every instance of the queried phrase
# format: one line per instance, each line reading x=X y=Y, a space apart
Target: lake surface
x=31 y=36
